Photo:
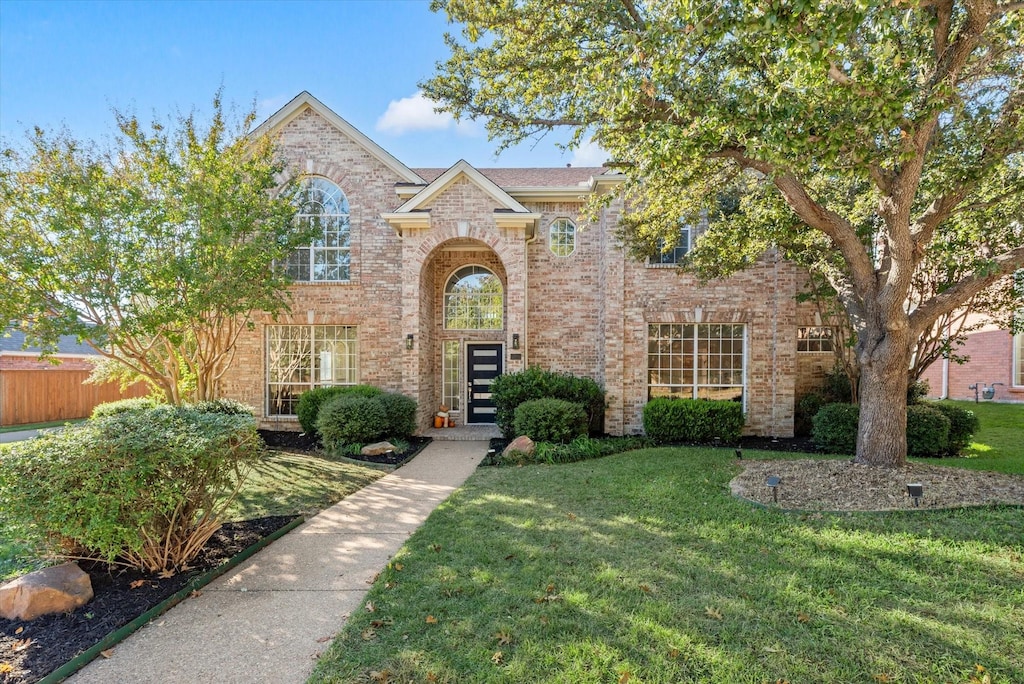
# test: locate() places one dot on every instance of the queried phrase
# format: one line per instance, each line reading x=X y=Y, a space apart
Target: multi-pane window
x=300 y=357
x=323 y=206
x=1018 y=359
x=451 y=367
x=815 y=339
x=698 y=361
x=562 y=237
x=674 y=254
x=473 y=300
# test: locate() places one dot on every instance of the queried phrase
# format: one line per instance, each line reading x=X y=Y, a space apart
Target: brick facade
x=586 y=313
x=991 y=364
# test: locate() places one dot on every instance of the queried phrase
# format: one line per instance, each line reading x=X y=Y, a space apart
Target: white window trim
x=551 y=236
x=654 y=261
x=313 y=249
x=816 y=339
x=444 y=298
x=1017 y=380
x=745 y=338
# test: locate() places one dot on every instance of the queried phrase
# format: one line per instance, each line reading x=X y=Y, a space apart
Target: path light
x=916 y=492
x=773 y=483
x=739 y=454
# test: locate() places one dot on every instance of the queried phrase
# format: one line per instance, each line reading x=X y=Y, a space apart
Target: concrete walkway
x=266 y=620
x=17 y=436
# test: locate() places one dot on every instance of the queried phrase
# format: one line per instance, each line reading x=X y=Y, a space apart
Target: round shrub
x=963 y=424
x=551 y=420
x=835 y=428
x=308 y=408
x=227 y=407
x=917 y=391
x=112 y=408
x=692 y=420
x=512 y=389
x=927 y=431
x=351 y=419
x=806 y=408
x=401 y=414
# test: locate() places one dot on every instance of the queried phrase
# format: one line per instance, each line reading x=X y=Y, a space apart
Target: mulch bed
x=307 y=444
x=44 y=644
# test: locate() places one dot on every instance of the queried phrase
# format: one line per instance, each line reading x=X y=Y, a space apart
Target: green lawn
x=641 y=567
x=999 y=445
x=282 y=484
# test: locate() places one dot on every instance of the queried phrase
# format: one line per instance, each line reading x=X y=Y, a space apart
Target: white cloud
x=589 y=154
x=268 y=106
x=417 y=113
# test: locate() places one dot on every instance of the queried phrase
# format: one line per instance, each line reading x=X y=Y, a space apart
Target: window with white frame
x=696 y=361
x=815 y=339
x=676 y=253
x=323 y=206
x=451 y=372
x=1018 y=359
x=301 y=357
x=473 y=300
x=562 y=237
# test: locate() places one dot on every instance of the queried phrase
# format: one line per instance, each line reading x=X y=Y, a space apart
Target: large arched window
x=324 y=206
x=473 y=300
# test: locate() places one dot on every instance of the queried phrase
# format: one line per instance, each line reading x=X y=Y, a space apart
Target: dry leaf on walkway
x=108 y=653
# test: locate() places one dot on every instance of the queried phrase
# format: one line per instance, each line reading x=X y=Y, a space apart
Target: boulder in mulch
x=522 y=445
x=57 y=589
x=377 y=449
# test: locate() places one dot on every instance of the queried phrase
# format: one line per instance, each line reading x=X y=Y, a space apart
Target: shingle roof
x=557 y=177
x=13 y=341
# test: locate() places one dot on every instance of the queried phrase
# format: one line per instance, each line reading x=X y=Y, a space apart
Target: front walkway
x=269 y=618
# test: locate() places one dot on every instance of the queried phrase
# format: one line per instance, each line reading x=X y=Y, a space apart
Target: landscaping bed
x=309 y=444
x=29 y=650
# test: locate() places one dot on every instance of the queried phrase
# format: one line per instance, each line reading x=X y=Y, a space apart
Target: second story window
x=323 y=205
x=562 y=237
x=675 y=254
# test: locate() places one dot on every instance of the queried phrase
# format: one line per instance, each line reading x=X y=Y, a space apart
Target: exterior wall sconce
x=515 y=340
x=409 y=340
x=916 y=492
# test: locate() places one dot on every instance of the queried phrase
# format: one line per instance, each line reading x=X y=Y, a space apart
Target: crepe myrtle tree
x=856 y=136
x=157 y=250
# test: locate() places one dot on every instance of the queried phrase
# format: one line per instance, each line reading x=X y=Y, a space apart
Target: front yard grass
x=999 y=445
x=281 y=484
x=641 y=568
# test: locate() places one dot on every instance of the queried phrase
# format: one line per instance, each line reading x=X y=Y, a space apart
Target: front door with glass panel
x=483 y=364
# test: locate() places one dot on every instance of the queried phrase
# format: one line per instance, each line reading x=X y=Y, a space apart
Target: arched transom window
x=324 y=206
x=562 y=237
x=473 y=300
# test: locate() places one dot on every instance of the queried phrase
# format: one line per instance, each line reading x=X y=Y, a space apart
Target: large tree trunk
x=881 y=435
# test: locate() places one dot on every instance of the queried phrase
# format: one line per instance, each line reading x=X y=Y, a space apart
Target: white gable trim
x=463 y=168
x=305 y=100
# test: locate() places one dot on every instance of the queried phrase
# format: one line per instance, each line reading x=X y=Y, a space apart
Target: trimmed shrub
x=579 y=449
x=112 y=408
x=917 y=391
x=227 y=407
x=143 y=488
x=835 y=428
x=401 y=414
x=963 y=423
x=927 y=431
x=806 y=408
x=512 y=389
x=692 y=420
x=308 y=408
x=836 y=387
x=550 y=420
x=351 y=419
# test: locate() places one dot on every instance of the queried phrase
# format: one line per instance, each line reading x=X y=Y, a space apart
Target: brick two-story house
x=431 y=282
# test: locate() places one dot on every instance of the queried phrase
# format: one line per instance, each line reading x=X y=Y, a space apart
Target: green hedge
x=310 y=401
x=512 y=389
x=963 y=424
x=579 y=449
x=933 y=429
x=692 y=420
x=401 y=414
x=351 y=419
x=927 y=431
x=835 y=428
x=551 y=420
x=112 y=408
x=142 y=487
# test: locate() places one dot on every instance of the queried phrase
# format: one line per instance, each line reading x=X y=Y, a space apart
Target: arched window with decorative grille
x=474 y=299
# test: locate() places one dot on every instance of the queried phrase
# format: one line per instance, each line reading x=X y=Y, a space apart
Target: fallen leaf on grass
x=803 y=617
x=370 y=607
x=571 y=516
x=503 y=637
x=431 y=677
x=398 y=567
x=498 y=658
x=645 y=588
x=436 y=548
x=385 y=622
x=712 y=613
x=882 y=678
x=673 y=653
x=369 y=633
x=108 y=653
x=625 y=677
x=431 y=620
x=382 y=676
x=390 y=585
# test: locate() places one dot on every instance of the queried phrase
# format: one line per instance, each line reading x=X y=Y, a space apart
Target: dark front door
x=483 y=363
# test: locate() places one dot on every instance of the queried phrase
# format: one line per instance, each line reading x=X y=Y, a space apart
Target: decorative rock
x=377 y=448
x=522 y=445
x=58 y=589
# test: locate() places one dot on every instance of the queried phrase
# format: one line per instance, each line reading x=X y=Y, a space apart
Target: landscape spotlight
x=773 y=484
x=916 y=492
x=739 y=454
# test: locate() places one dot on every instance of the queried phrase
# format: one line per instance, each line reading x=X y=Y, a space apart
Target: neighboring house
x=431 y=282
x=35 y=390
x=996 y=362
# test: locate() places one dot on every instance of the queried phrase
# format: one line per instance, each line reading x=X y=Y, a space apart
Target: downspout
x=945 y=378
x=775 y=342
x=524 y=348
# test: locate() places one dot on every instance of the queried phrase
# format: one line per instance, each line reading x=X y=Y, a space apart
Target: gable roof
x=304 y=101
x=535 y=177
x=13 y=341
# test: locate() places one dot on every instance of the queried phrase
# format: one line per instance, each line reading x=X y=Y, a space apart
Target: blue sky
x=70 y=63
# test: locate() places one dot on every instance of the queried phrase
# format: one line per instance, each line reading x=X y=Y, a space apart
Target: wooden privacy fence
x=41 y=396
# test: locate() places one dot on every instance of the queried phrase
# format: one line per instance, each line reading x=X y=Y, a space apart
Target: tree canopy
x=157 y=249
x=860 y=139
